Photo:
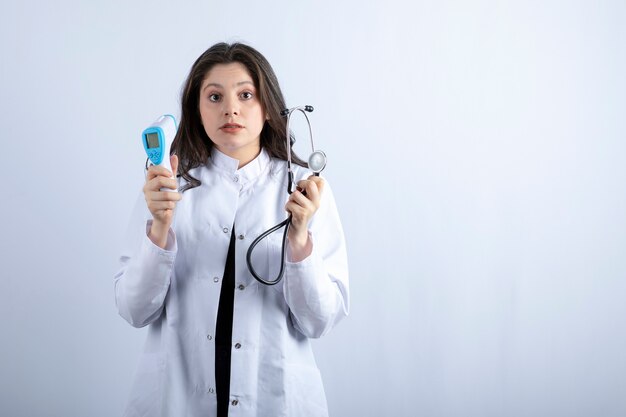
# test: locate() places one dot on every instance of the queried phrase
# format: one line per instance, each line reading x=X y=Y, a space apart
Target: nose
x=231 y=107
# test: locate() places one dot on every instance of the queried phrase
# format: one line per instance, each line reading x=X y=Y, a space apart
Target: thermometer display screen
x=152 y=139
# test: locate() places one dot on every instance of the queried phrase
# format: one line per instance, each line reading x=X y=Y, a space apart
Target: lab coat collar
x=247 y=173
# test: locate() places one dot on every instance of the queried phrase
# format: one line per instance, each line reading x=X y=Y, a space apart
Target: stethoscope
x=317 y=162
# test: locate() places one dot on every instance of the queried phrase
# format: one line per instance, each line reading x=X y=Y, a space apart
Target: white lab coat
x=176 y=291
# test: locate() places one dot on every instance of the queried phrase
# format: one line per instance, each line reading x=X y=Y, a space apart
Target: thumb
x=174 y=164
x=319 y=181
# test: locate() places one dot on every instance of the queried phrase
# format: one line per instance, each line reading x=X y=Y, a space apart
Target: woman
x=219 y=342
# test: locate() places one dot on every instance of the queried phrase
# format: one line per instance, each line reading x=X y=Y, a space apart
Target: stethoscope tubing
x=287 y=222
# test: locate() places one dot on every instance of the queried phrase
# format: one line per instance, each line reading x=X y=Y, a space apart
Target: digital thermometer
x=157 y=140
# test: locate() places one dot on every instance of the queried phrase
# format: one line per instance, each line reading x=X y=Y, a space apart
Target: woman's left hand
x=302 y=208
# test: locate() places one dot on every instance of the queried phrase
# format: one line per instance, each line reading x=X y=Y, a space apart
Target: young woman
x=219 y=341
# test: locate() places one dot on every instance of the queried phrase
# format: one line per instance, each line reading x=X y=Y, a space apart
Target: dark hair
x=192 y=145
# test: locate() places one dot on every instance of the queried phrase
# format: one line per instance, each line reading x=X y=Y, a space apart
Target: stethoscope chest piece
x=317 y=161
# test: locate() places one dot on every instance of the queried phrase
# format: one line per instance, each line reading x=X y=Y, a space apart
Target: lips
x=231 y=126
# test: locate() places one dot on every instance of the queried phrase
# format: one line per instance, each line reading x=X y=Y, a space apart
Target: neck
x=244 y=156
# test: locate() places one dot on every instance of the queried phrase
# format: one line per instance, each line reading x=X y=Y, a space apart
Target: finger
x=302 y=200
x=156 y=206
x=298 y=213
x=310 y=190
x=174 y=163
x=157 y=170
x=163 y=196
x=155 y=184
x=319 y=181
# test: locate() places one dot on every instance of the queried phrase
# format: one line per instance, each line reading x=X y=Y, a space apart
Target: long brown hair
x=192 y=145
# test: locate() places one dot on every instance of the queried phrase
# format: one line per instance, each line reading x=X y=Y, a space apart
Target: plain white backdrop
x=485 y=228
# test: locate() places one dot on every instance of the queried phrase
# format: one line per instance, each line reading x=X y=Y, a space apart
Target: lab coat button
x=240 y=237
x=241 y=287
x=211 y=391
x=209 y=337
x=225 y=230
x=216 y=279
x=234 y=402
x=237 y=345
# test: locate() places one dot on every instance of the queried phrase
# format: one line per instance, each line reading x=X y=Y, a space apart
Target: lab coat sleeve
x=316 y=289
x=143 y=279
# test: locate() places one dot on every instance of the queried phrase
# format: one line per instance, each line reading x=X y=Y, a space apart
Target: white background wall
x=477 y=152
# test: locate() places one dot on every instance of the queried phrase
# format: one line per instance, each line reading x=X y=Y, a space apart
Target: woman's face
x=231 y=112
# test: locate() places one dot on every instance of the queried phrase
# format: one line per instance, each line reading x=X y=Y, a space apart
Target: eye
x=214 y=97
x=246 y=95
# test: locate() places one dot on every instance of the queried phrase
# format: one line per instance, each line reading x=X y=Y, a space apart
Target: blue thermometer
x=157 y=141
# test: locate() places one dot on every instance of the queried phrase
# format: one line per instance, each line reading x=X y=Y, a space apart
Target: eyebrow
x=240 y=83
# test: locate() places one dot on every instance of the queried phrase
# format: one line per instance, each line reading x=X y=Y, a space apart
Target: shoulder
x=199 y=173
x=277 y=168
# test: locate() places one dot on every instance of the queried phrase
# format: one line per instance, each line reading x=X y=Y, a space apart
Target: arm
x=150 y=249
x=143 y=280
x=316 y=287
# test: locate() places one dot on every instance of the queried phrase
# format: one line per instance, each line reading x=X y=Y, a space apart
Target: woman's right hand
x=161 y=203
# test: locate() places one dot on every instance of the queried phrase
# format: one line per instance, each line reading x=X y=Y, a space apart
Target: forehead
x=227 y=75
